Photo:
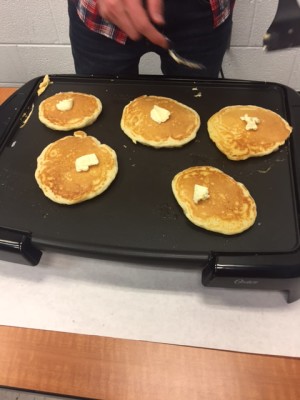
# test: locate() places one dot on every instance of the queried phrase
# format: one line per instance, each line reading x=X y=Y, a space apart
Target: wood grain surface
x=94 y=367
x=105 y=368
x=5 y=93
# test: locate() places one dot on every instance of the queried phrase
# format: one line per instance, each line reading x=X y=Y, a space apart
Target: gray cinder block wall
x=34 y=41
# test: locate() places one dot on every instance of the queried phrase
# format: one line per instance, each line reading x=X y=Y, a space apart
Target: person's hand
x=135 y=20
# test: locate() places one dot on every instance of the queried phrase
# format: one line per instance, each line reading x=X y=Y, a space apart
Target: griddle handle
x=17 y=247
x=10 y=110
x=263 y=272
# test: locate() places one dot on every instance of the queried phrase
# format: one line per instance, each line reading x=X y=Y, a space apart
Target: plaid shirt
x=88 y=13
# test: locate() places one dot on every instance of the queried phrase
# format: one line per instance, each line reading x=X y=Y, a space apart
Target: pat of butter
x=159 y=114
x=251 y=122
x=200 y=193
x=83 y=163
x=65 y=105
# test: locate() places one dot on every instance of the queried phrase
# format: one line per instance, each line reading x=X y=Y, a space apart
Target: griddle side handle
x=11 y=108
x=237 y=272
x=17 y=247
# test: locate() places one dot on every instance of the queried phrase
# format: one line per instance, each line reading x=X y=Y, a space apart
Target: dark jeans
x=188 y=26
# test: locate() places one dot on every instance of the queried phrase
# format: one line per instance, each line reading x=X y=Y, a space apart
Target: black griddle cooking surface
x=138 y=214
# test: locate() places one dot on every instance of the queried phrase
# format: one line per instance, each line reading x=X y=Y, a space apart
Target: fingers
x=142 y=23
x=156 y=11
x=132 y=18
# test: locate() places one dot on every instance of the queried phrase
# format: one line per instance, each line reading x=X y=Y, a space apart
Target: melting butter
x=65 y=105
x=200 y=193
x=159 y=114
x=83 y=163
x=251 y=122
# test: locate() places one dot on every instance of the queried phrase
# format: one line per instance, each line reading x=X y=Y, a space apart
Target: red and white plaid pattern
x=221 y=9
x=88 y=13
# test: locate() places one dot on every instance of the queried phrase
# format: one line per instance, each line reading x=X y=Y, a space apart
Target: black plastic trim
x=17 y=247
x=266 y=273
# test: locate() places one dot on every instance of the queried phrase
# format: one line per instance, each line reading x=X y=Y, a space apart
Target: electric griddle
x=138 y=218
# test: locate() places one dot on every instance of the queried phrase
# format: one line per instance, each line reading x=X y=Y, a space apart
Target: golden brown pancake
x=229 y=209
x=180 y=128
x=54 y=112
x=43 y=85
x=56 y=172
x=228 y=131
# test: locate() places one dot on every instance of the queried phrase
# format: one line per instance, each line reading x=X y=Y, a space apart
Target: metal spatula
x=284 y=31
x=181 y=60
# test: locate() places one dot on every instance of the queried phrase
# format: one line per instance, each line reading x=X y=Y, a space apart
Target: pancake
x=57 y=165
x=43 y=85
x=69 y=110
x=179 y=128
x=226 y=208
x=238 y=140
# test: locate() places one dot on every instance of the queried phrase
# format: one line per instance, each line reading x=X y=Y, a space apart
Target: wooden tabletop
x=5 y=93
x=94 y=367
